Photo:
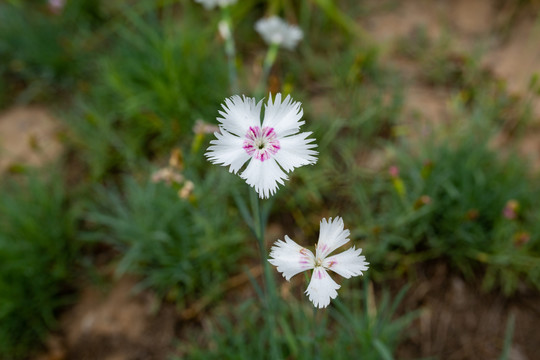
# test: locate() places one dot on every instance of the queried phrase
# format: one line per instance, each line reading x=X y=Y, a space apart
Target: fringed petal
x=290 y=258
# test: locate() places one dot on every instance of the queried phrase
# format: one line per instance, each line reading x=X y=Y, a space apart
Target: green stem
x=226 y=30
x=316 y=335
x=269 y=61
x=270 y=300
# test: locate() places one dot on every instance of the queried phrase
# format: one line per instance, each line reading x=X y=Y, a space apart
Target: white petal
x=264 y=176
x=283 y=117
x=348 y=263
x=239 y=113
x=295 y=151
x=275 y=30
x=291 y=258
x=227 y=150
x=331 y=236
x=294 y=35
x=321 y=288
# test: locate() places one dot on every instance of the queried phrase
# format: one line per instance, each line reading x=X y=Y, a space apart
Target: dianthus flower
x=291 y=259
x=270 y=148
x=275 y=30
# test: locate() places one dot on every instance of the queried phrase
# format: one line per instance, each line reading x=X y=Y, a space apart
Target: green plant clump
x=180 y=247
x=354 y=326
x=158 y=78
x=43 y=54
x=37 y=254
x=464 y=202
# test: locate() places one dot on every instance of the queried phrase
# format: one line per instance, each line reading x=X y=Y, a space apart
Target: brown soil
x=29 y=136
x=459 y=321
x=114 y=324
x=504 y=34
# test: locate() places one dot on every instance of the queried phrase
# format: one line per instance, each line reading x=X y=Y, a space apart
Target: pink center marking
x=261 y=143
x=305 y=260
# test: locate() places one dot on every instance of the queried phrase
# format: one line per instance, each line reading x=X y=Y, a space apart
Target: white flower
x=291 y=259
x=275 y=30
x=224 y=30
x=210 y=4
x=271 y=148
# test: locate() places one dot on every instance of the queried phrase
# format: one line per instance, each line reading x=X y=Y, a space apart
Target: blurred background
x=118 y=240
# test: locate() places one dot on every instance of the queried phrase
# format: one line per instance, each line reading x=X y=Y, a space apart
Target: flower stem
x=270 y=300
x=316 y=335
x=269 y=61
x=226 y=30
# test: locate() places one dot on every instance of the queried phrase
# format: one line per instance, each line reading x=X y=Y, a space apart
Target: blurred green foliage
x=158 y=78
x=44 y=55
x=356 y=325
x=180 y=247
x=37 y=256
x=459 y=200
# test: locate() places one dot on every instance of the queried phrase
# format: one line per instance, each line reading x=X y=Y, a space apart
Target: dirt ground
x=28 y=136
x=114 y=324
x=456 y=321
x=501 y=33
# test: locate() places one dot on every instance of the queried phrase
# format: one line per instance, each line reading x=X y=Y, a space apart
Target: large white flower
x=275 y=30
x=210 y=4
x=270 y=148
x=291 y=259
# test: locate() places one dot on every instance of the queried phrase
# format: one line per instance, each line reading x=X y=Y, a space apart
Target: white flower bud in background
x=210 y=4
x=224 y=29
x=275 y=30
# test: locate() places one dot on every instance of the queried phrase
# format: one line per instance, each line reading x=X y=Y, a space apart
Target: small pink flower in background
x=56 y=6
x=393 y=171
x=511 y=209
x=397 y=182
x=291 y=259
x=270 y=148
x=422 y=201
x=521 y=238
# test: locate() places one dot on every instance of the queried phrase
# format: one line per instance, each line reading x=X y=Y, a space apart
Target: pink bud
x=510 y=209
x=393 y=171
x=56 y=6
x=521 y=238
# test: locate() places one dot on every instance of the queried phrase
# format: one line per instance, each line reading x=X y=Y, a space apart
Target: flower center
x=261 y=143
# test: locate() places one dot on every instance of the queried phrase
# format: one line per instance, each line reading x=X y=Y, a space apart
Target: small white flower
x=275 y=30
x=272 y=147
x=224 y=30
x=291 y=259
x=210 y=4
